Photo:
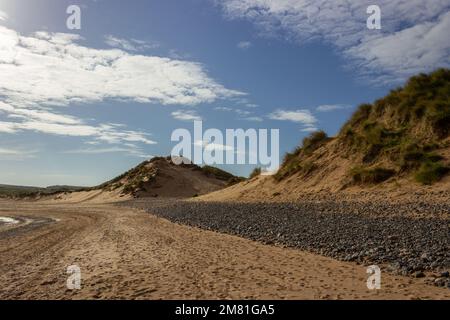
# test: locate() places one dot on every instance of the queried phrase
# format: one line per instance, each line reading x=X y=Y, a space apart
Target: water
x=8 y=220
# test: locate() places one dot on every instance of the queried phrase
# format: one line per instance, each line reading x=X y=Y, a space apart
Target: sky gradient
x=81 y=106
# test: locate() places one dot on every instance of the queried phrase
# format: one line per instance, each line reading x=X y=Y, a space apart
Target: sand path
x=124 y=253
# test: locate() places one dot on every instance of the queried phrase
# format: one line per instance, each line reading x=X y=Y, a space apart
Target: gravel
x=396 y=236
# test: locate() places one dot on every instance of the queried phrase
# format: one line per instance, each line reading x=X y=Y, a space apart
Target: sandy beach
x=129 y=254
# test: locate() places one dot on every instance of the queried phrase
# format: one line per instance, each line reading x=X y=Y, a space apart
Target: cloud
x=227 y=109
x=53 y=69
x=57 y=124
x=419 y=48
x=130 y=45
x=253 y=118
x=300 y=116
x=16 y=154
x=3 y=16
x=244 y=45
x=45 y=71
x=332 y=107
x=175 y=54
x=411 y=39
x=8 y=127
x=130 y=149
x=212 y=146
x=243 y=114
x=4 y=151
x=42 y=115
x=309 y=129
x=186 y=115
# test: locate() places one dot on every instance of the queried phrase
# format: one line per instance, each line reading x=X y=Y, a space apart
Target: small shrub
x=314 y=140
x=413 y=156
x=235 y=180
x=371 y=176
x=361 y=114
x=217 y=173
x=293 y=167
x=255 y=173
x=431 y=172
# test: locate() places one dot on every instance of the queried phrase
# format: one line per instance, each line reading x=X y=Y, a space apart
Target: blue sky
x=82 y=106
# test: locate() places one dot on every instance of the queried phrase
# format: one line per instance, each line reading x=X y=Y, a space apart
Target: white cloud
x=3 y=16
x=212 y=146
x=57 y=124
x=420 y=48
x=253 y=118
x=175 y=54
x=43 y=115
x=412 y=38
x=186 y=115
x=5 y=151
x=44 y=71
x=227 y=109
x=332 y=107
x=16 y=154
x=300 y=116
x=244 y=45
x=309 y=129
x=48 y=68
x=129 y=149
x=130 y=45
x=8 y=127
x=243 y=114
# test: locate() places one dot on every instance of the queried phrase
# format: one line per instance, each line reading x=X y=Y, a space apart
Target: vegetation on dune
x=255 y=173
x=371 y=176
x=217 y=173
x=430 y=172
x=294 y=163
x=406 y=129
x=222 y=175
x=314 y=141
x=22 y=191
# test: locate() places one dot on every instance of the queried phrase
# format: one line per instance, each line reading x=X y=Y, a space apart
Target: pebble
x=364 y=232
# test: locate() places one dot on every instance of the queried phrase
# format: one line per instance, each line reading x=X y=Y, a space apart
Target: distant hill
x=25 y=191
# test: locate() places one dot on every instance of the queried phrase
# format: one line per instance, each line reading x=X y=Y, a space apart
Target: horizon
x=79 y=107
